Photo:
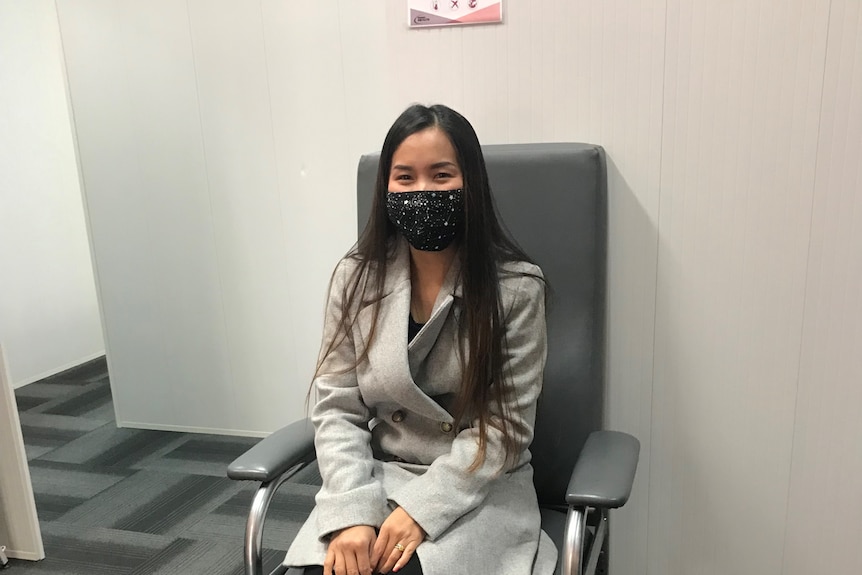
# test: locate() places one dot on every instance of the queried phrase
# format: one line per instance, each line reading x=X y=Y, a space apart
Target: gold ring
x=400 y=547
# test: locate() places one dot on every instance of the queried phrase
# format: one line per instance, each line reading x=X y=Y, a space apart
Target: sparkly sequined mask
x=430 y=220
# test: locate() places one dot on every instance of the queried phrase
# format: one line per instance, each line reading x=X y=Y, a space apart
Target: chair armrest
x=275 y=454
x=605 y=470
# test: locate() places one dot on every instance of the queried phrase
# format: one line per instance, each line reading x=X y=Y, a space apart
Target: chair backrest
x=553 y=199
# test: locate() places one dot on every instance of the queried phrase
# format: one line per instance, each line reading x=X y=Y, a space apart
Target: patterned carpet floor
x=127 y=501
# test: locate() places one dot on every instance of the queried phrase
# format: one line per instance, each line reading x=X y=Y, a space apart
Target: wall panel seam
x=655 y=275
x=805 y=284
x=227 y=335
x=278 y=174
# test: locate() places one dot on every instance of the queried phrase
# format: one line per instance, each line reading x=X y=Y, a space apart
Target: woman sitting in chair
x=433 y=351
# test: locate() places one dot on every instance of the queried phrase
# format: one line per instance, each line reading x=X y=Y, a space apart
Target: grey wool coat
x=385 y=438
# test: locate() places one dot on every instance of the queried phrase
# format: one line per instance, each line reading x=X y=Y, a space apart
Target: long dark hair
x=484 y=245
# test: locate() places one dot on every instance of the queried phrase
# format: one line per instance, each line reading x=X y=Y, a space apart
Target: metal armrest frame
x=253 y=547
x=575 y=540
x=601 y=480
x=271 y=462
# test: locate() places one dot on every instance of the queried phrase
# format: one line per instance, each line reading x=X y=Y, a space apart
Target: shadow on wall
x=631 y=285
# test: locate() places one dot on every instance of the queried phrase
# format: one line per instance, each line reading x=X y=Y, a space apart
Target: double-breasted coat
x=384 y=435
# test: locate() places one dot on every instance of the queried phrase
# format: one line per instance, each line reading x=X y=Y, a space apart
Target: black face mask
x=430 y=220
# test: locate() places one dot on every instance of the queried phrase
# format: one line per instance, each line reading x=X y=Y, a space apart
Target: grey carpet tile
x=109 y=446
x=271 y=558
x=199 y=454
x=46 y=436
x=91 y=397
x=35 y=451
x=201 y=557
x=221 y=450
x=70 y=550
x=155 y=502
x=59 y=422
x=287 y=512
x=41 y=389
x=39 y=394
x=104 y=412
x=54 y=430
x=69 y=480
x=58 y=488
x=25 y=403
x=189 y=557
x=51 y=506
x=175 y=511
x=196 y=557
x=129 y=501
x=43 y=433
x=85 y=373
x=309 y=475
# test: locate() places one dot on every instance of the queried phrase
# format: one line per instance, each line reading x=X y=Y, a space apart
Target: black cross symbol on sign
x=454 y=3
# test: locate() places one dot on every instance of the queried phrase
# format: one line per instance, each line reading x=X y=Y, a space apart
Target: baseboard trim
x=55 y=371
x=24 y=555
x=190 y=429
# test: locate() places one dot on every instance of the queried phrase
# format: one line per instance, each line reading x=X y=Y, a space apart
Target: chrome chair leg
x=573 y=541
x=253 y=552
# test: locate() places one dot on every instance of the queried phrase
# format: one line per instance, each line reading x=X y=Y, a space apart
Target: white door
x=19 y=525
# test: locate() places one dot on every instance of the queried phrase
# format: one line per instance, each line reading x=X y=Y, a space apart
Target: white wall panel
x=824 y=523
x=49 y=315
x=249 y=228
x=132 y=80
x=741 y=107
x=323 y=79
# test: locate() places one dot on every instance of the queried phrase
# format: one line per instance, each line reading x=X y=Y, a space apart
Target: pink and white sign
x=425 y=13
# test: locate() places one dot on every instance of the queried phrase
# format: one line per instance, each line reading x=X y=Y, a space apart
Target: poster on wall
x=426 y=13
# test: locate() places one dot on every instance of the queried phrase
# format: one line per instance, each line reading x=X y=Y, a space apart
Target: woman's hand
x=349 y=551
x=398 y=529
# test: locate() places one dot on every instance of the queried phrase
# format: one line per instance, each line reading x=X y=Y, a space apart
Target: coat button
x=445 y=427
x=398 y=416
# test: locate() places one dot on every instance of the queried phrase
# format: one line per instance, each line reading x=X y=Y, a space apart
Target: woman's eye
x=443 y=175
x=403 y=177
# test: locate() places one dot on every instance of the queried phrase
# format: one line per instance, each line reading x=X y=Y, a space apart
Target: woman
x=433 y=352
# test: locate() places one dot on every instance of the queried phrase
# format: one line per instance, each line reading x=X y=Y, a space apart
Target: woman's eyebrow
x=402 y=167
x=443 y=164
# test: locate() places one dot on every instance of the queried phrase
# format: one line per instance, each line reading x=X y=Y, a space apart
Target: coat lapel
x=424 y=341
x=391 y=361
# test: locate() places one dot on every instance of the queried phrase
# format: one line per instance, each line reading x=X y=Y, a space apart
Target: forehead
x=428 y=146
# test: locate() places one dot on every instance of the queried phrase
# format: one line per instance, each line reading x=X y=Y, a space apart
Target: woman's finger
x=381 y=546
x=350 y=564
x=394 y=555
x=339 y=564
x=329 y=562
x=363 y=562
x=409 y=549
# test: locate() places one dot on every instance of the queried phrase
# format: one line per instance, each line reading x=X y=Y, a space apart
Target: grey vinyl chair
x=553 y=199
